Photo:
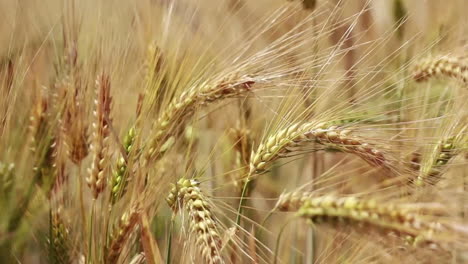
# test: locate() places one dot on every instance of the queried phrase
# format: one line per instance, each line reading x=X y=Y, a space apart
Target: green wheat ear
x=59 y=246
x=7 y=171
x=120 y=177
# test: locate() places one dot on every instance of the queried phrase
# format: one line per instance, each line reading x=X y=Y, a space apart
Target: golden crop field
x=233 y=131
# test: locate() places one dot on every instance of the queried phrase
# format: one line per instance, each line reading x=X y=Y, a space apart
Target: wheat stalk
x=187 y=194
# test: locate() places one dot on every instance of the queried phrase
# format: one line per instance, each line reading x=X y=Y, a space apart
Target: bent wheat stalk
x=187 y=194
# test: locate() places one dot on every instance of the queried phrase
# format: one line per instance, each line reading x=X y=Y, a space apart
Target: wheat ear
x=121 y=235
x=384 y=218
x=443 y=153
x=187 y=194
x=75 y=127
x=96 y=179
x=120 y=175
x=59 y=241
x=450 y=66
x=281 y=144
x=171 y=121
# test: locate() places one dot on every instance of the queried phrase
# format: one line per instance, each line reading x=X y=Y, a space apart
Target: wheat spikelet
x=171 y=121
x=449 y=66
x=120 y=175
x=187 y=194
x=283 y=142
x=121 y=234
x=386 y=218
x=96 y=179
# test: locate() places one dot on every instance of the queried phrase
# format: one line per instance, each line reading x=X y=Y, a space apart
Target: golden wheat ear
x=188 y=195
x=172 y=120
x=121 y=235
x=449 y=66
x=384 y=218
x=96 y=179
x=282 y=144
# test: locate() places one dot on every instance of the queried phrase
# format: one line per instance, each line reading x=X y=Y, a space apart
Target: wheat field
x=233 y=131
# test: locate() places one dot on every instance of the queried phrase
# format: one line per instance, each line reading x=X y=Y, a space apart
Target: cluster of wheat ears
x=233 y=131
